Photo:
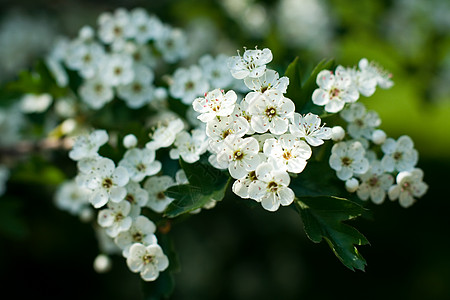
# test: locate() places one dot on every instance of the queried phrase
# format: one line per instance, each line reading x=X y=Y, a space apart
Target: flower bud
x=337 y=133
x=351 y=185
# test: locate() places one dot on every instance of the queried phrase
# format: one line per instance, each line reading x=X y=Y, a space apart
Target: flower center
x=252 y=176
x=287 y=155
x=119 y=217
x=137 y=237
x=189 y=85
x=107 y=183
x=271 y=112
x=129 y=198
x=346 y=161
x=373 y=181
x=140 y=167
x=137 y=87
x=398 y=155
x=117 y=71
x=227 y=133
x=334 y=92
x=117 y=31
x=238 y=155
x=272 y=186
x=98 y=88
x=160 y=196
x=147 y=259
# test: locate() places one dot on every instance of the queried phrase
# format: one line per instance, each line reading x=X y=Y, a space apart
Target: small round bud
x=378 y=136
x=86 y=215
x=351 y=185
x=130 y=141
x=102 y=263
x=337 y=133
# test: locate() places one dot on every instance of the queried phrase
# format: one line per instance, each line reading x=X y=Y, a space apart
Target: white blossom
x=271 y=111
x=188 y=84
x=216 y=70
x=117 y=69
x=361 y=123
x=372 y=69
x=147 y=260
x=218 y=129
x=156 y=186
x=106 y=182
x=240 y=155
x=140 y=163
x=189 y=146
x=374 y=183
x=86 y=146
x=172 y=44
x=115 y=218
x=409 y=186
x=251 y=64
x=165 y=135
x=399 y=155
x=70 y=197
x=96 y=93
x=334 y=90
x=308 y=127
x=141 y=231
x=270 y=80
x=216 y=103
x=289 y=153
x=271 y=188
x=140 y=91
x=347 y=159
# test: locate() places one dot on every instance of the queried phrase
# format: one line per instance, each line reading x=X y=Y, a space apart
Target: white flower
x=409 y=185
x=130 y=141
x=241 y=110
x=106 y=182
x=165 y=135
x=215 y=104
x=241 y=186
x=86 y=146
x=334 y=90
x=96 y=93
x=361 y=123
x=218 y=129
x=382 y=77
x=347 y=158
x=216 y=70
x=136 y=195
x=188 y=84
x=365 y=82
x=271 y=111
x=270 y=80
x=140 y=163
x=308 y=127
x=289 y=153
x=114 y=28
x=172 y=44
x=145 y=27
x=271 y=188
x=399 y=155
x=240 y=155
x=85 y=58
x=251 y=64
x=148 y=260
x=115 y=218
x=374 y=183
x=189 y=147
x=140 y=91
x=141 y=231
x=156 y=186
x=117 y=69
x=102 y=263
x=70 y=197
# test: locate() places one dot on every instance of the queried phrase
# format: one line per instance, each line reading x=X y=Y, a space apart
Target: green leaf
x=323 y=219
x=206 y=183
x=294 y=89
x=310 y=85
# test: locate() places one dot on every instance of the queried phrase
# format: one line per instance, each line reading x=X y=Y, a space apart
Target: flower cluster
x=119 y=59
x=259 y=139
x=355 y=159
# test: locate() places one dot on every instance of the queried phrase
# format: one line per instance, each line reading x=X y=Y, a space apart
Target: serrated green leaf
x=206 y=183
x=323 y=218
